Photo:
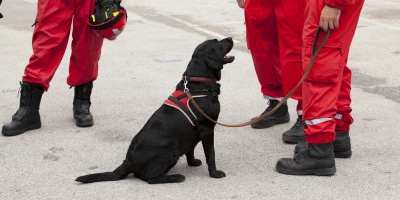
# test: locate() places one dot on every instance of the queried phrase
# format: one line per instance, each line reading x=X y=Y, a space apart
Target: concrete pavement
x=141 y=68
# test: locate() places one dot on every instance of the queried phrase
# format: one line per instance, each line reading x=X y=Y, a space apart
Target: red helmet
x=109 y=19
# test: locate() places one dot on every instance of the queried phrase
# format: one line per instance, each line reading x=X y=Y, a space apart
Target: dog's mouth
x=227 y=45
x=228 y=59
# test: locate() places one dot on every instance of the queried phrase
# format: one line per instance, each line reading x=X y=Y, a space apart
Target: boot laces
x=300 y=155
x=23 y=109
x=299 y=124
x=271 y=105
x=19 y=90
x=23 y=89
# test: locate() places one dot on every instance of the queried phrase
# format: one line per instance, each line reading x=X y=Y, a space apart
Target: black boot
x=82 y=104
x=295 y=134
x=27 y=116
x=280 y=116
x=318 y=160
x=341 y=145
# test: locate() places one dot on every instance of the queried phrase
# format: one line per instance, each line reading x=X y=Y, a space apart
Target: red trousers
x=50 y=39
x=326 y=91
x=273 y=31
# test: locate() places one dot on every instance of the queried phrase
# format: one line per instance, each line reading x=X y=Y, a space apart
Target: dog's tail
x=118 y=174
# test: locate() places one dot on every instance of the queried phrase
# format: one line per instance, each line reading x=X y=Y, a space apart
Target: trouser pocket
x=326 y=67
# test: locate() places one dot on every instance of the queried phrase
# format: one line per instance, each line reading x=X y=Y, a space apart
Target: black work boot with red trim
x=27 y=116
x=296 y=133
x=81 y=105
x=317 y=159
x=341 y=145
x=280 y=116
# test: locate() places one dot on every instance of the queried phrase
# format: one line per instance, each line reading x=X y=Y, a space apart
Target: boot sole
x=342 y=154
x=23 y=130
x=292 y=139
x=271 y=123
x=319 y=172
x=83 y=125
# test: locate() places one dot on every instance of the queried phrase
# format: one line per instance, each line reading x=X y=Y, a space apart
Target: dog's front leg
x=207 y=139
x=191 y=160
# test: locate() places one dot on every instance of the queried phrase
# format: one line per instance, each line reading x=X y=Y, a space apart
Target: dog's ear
x=213 y=58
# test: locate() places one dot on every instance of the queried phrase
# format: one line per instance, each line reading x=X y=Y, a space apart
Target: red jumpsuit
x=326 y=91
x=50 y=39
x=274 y=29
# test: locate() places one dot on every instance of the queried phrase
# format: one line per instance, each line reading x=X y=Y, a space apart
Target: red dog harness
x=180 y=101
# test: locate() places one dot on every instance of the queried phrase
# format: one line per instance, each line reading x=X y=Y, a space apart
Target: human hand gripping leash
x=310 y=65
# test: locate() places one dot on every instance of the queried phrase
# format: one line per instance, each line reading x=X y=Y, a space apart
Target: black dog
x=172 y=132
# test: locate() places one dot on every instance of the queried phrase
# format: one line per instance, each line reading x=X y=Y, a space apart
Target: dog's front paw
x=217 y=174
x=195 y=163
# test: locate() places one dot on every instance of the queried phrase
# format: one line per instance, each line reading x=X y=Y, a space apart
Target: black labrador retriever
x=176 y=127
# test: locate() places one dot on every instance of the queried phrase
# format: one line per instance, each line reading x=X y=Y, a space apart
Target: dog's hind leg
x=157 y=169
x=175 y=178
x=191 y=160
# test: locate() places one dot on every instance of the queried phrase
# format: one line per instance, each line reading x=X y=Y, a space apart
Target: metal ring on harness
x=185 y=82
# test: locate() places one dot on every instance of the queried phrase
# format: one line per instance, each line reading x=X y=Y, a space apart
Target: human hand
x=329 y=18
x=240 y=3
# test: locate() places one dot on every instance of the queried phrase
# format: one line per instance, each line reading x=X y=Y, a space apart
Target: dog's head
x=209 y=58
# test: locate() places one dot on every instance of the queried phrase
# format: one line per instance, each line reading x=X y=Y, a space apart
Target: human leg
x=49 y=41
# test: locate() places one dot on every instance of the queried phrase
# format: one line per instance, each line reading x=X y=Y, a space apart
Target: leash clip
x=185 y=82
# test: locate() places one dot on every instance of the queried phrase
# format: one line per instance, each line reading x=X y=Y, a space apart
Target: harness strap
x=186 y=111
x=181 y=96
x=180 y=101
x=198 y=79
x=199 y=93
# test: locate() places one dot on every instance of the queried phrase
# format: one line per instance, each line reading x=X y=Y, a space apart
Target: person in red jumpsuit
x=50 y=38
x=326 y=91
x=273 y=34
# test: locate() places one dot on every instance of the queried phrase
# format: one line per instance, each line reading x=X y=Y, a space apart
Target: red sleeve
x=340 y=4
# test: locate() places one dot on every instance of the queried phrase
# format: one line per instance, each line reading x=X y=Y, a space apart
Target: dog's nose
x=228 y=39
